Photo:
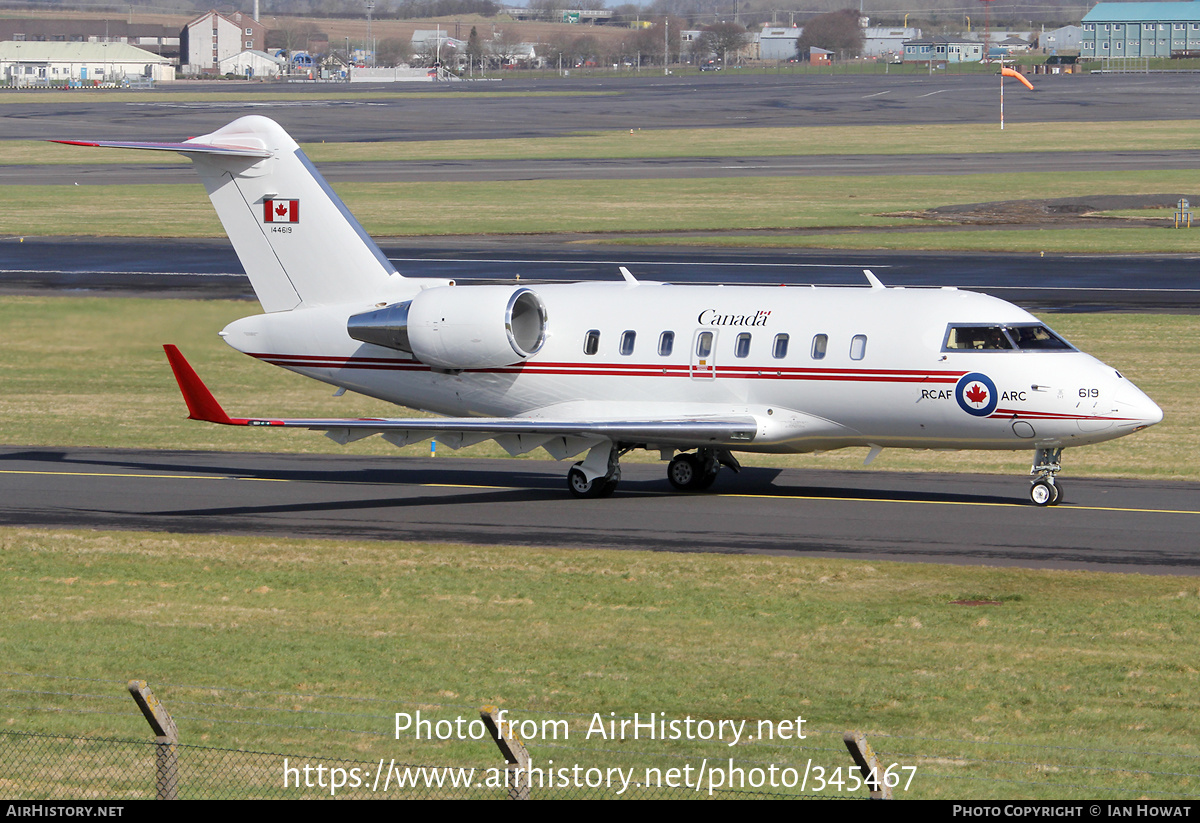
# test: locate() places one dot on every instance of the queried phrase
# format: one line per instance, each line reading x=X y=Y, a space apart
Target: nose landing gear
x=1044 y=490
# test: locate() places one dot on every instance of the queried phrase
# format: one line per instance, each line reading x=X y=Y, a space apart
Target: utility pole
x=370 y=41
x=666 y=46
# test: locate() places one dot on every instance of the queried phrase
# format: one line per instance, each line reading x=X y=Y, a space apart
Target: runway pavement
x=1110 y=525
x=509 y=108
x=210 y=269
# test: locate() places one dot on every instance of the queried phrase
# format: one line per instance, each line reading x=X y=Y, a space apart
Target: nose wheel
x=1045 y=490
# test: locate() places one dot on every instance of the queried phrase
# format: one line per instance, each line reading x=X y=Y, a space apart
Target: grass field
x=91 y=372
x=1071 y=685
x=635 y=207
x=860 y=212
x=727 y=142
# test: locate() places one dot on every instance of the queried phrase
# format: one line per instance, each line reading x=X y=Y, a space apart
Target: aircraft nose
x=1134 y=404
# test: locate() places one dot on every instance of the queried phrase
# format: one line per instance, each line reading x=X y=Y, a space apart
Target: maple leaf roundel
x=976 y=394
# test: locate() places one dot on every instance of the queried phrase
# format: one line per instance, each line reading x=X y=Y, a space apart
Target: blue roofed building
x=1140 y=30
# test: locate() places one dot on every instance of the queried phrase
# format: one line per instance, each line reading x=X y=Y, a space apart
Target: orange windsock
x=1011 y=73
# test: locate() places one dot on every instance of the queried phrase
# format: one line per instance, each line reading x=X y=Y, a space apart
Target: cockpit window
x=1037 y=337
x=977 y=338
x=1030 y=337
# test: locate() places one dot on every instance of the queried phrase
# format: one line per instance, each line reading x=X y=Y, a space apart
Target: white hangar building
x=40 y=63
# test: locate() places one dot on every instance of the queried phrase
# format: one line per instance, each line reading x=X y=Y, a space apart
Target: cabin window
x=704 y=344
x=820 y=346
x=858 y=347
x=779 y=350
x=591 y=342
x=741 y=346
x=666 y=343
x=628 y=338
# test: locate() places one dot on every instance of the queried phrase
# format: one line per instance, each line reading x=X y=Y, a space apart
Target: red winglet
x=200 y=402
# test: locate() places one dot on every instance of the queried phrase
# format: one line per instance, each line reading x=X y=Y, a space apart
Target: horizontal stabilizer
x=185 y=148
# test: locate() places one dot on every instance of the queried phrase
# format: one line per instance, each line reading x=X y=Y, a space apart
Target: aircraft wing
x=517 y=435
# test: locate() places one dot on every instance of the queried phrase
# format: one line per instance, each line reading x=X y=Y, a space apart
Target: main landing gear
x=1045 y=490
x=598 y=474
x=693 y=472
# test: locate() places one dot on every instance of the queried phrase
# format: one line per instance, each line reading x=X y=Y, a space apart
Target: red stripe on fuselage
x=625 y=370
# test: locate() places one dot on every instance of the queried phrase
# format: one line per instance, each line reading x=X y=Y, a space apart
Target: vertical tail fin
x=296 y=239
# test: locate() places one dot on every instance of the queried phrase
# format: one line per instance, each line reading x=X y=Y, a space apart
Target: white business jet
x=693 y=372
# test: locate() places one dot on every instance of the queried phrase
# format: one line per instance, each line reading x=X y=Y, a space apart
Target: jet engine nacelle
x=459 y=327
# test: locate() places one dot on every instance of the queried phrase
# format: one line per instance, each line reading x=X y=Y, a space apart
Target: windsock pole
x=1007 y=72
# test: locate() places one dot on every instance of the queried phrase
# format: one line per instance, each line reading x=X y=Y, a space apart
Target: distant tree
x=722 y=38
x=837 y=31
x=474 y=48
x=627 y=12
x=585 y=49
x=506 y=46
x=408 y=9
x=649 y=42
x=392 y=52
x=544 y=9
x=294 y=36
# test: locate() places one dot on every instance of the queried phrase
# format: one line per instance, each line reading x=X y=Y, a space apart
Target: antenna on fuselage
x=629 y=278
x=873 y=280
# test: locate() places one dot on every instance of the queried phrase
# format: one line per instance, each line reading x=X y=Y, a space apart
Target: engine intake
x=464 y=327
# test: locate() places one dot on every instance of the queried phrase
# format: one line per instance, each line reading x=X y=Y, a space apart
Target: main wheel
x=708 y=476
x=1043 y=493
x=685 y=472
x=580 y=486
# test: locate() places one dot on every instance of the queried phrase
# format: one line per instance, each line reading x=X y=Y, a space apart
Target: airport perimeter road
x=1107 y=525
x=485 y=110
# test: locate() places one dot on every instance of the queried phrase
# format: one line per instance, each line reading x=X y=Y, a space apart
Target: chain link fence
x=41 y=767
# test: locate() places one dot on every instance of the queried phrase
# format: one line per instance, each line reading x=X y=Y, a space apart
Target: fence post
x=166 y=758
x=512 y=748
x=868 y=764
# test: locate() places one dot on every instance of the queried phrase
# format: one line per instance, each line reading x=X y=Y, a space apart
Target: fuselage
x=818 y=367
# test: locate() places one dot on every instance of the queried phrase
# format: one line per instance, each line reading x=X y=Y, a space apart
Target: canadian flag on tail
x=281 y=211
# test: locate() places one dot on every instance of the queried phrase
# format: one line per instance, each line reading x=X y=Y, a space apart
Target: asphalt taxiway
x=1105 y=524
x=556 y=106
x=210 y=269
